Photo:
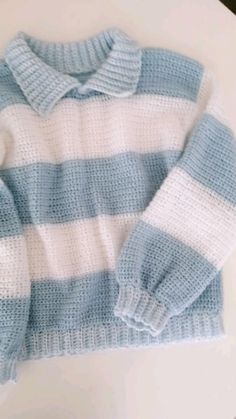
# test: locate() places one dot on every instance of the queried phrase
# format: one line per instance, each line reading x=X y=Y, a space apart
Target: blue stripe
x=73 y=303
x=169 y=73
x=210 y=157
x=76 y=303
x=163 y=72
x=75 y=189
x=81 y=301
x=157 y=262
x=14 y=314
x=10 y=224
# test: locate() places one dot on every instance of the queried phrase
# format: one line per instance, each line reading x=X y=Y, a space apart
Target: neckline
x=42 y=68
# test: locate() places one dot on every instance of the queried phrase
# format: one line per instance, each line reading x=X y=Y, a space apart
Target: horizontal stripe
x=13 y=265
x=195 y=215
x=14 y=270
x=14 y=313
x=77 y=248
x=73 y=303
x=76 y=189
x=86 y=306
x=9 y=221
x=210 y=156
x=99 y=128
x=165 y=267
x=169 y=73
x=79 y=302
x=85 y=302
x=172 y=74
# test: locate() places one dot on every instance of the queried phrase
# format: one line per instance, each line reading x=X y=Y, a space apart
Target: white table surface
x=184 y=381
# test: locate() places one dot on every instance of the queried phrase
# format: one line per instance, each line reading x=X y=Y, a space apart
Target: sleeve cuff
x=7 y=371
x=140 y=310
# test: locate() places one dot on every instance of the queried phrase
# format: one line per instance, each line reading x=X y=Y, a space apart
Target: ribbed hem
x=7 y=371
x=49 y=343
x=140 y=310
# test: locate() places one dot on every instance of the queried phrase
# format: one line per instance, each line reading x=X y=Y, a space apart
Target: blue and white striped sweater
x=118 y=193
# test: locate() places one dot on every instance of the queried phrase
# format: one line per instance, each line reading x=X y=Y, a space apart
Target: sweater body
x=102 y=248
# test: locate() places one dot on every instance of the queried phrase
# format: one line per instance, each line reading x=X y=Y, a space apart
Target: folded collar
x=42 y=69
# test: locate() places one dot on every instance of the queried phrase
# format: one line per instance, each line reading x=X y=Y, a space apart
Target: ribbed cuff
x=7 y=371
x=140 y=310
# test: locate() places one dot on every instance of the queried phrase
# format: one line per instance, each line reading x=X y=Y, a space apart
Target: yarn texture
x=118 y=197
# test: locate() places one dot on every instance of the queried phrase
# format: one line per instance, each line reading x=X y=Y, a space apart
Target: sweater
x=118 y=197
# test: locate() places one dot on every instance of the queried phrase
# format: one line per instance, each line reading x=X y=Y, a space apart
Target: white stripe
x=59 y=251
x=95 y=127
x=14 y=272
x=195 y=215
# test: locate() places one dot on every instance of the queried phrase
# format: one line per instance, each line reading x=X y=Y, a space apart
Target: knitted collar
x=42 y=69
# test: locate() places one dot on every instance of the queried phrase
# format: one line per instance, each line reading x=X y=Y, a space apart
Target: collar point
x=44 y=82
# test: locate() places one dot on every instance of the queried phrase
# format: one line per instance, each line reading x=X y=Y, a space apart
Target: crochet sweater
x=118 y=193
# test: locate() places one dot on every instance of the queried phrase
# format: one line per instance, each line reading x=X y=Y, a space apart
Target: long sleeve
x=188 y=230
x=14 y=280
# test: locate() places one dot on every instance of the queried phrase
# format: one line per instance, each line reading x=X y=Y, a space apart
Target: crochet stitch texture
x=118 y=193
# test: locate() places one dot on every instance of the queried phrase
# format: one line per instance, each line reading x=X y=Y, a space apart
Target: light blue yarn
x=72 y=190
x=210 y=157
x=153 y=260
x=182 y=79
x=172 y=75
x=44 y=77
x=10 y=224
